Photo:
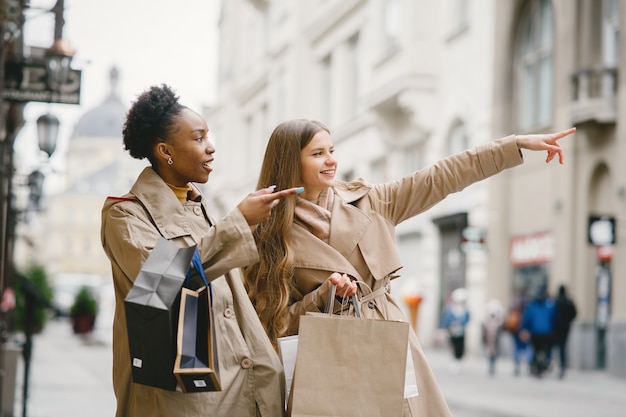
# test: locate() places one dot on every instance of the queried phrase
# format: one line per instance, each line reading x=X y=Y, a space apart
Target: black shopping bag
x=152 y=308
x=196 y=365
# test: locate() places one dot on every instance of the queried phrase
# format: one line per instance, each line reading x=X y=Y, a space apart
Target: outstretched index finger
x=286 y=192
x=559 y=135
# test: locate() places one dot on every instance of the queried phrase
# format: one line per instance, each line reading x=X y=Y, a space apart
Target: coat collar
x=352 y=191
x=347 y=227
x=351 y=228
x=167 y=213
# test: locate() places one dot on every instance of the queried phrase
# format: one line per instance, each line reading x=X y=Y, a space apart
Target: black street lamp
x=59 y=56
x=48 y=132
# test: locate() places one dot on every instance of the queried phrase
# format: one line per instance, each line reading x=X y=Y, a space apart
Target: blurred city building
x=403 y=83
x=97 y=166
x=557 y=64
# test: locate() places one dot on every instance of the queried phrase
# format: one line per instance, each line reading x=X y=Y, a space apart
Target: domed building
x=96 y=138
x=106 y=119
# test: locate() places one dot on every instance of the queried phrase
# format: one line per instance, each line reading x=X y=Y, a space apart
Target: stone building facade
x=557 y=64
x=403 y=83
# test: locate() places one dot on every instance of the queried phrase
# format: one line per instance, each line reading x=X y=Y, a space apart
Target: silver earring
x=169 y=161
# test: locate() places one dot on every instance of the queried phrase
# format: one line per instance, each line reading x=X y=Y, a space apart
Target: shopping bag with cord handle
x=196 y=366
x=348 y=366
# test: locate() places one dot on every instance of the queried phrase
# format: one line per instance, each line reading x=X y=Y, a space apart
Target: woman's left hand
x=544 y=142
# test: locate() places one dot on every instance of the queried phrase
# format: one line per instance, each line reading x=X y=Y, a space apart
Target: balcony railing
x=594 y=96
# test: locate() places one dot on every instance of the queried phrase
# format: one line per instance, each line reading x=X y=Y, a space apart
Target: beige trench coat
x=362 y=244
x=250 y=371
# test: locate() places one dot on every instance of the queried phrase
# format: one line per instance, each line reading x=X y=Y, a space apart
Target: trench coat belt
x=373 y=295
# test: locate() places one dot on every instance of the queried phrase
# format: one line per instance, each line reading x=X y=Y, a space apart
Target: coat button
x=228 y=312
x=197 y=210
x=371 y=305
x=246 y=363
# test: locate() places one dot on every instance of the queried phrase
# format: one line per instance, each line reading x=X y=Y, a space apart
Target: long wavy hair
x=270 y=281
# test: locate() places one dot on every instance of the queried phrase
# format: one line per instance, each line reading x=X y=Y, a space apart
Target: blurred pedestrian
x=454 y=320
x=538 y=328
x=165 y=202
x=491 y=330
x=512 y=324
x=565 y=314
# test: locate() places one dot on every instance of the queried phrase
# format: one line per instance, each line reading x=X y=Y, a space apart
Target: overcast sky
x=149 y=41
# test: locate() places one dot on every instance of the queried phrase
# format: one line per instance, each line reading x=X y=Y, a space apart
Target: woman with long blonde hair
x=342 y=232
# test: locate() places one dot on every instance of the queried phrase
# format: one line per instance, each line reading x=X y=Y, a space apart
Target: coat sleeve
x=418 y=192
x=128 y=236
x=228 y=244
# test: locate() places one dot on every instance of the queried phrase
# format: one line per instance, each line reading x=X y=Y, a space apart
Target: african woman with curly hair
x=164 y=202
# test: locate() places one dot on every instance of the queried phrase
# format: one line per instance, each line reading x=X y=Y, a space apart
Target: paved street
x=70 y=376
x=471 y=392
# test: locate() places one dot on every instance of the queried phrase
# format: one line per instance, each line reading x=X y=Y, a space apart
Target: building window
x=281 y=94
x=611 y=32
x=459 y=16
x=255 y=38
x=533 y=64
x=413 y=158
x=256 y=133
x=457 y=140
x=250 y=144
x=379 y=171
x=326 y=88
x=352 y=76
x=392 y=22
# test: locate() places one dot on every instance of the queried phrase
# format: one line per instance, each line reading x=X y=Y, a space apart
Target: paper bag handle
x=196 y=261
x=331 y=302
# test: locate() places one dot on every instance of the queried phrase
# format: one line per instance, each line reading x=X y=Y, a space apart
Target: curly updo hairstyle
x=149 y=121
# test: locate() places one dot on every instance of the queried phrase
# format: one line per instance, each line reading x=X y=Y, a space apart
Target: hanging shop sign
x=28 y=81
x=601 y=230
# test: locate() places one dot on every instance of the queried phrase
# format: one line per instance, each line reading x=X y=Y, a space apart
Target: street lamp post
x=43 y=77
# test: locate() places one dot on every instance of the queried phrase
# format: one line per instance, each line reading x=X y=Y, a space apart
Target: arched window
x=457 y=139
x=533 y=65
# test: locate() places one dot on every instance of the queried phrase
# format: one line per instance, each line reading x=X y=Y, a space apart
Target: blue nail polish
x=271 y=187
x=299 y=190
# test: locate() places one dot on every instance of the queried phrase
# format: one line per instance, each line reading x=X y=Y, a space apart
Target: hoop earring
x=170 y=161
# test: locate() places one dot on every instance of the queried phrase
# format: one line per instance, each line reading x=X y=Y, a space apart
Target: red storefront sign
x=532 y=249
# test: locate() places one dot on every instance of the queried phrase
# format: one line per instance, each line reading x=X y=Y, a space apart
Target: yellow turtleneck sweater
x=180 y=192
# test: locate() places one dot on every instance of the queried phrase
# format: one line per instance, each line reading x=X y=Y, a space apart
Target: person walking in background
x=538 y=328
x=454 y=320
x=164 y=202
x=565 y=314
x=512 y=324
x=337 y=232
x=491 y=330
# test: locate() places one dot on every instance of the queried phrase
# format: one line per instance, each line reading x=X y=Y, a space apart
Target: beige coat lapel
x=353 y=232
x=312 y=253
